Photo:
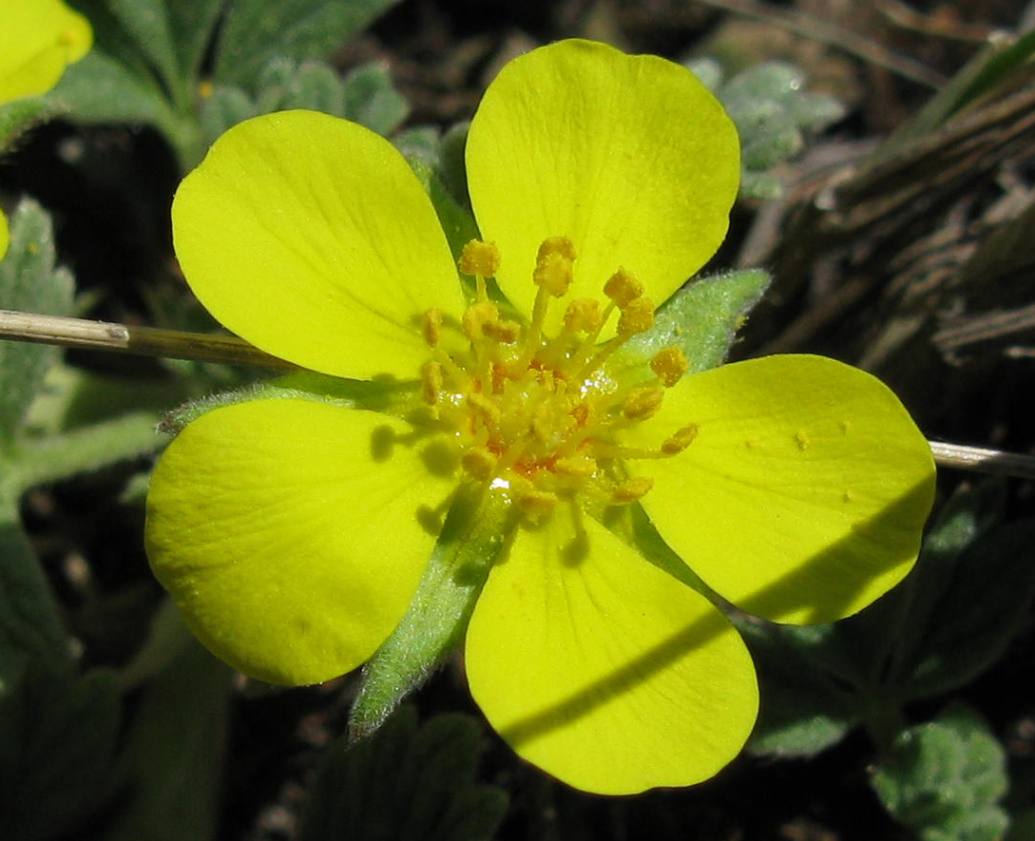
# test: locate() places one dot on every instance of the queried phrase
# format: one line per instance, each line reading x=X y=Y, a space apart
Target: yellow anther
x=479 y=258
x=431 y=326
x=556 y=245
x=476 y=317
x=553 y=273
x=642 y=403
x=631 y=489
x=669 y=364
x=552 y=421
x=431 y=382
x=505 y=332
x=637 y=317
x=679 y=440
x=583 y=314
x=479 y=463
x=578 y=467
x=485 y=407
x=622 y=288
x=537 y=505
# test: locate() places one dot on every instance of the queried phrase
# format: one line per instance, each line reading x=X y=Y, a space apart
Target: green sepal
x=382 y=394
x=431 y=770
x=472 y=538
x=943 y=779
x=28 y=282
x=701 y=319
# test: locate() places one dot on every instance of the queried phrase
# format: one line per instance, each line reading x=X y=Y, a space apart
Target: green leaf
x=257 y=30
x=174 y=752
x=30 y=283
x=701 y=319
x=944 y=778
x=58 y=741
x=805 y=707
x=471 y=539
x=191 y=23
x=147 y=24
x=372 y=100
x=19 y=116
x=317 y=87
x=84 y=450
x=983 y=607
x=225 y=107
x=421 y=144
x=405 y=784
x=452 y=166
x=102 y=89
x=30 y=628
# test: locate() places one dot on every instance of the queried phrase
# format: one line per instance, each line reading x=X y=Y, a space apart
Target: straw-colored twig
x=146 y=341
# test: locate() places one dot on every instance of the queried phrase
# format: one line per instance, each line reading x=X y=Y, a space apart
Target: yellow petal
x=629 y=156
x=5 y=235
x=38 y=39
x=604 y=671
x=291 y=534
x=803 y=494
x=310 y=237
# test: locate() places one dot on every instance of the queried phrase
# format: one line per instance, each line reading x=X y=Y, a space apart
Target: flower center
x=536 y=414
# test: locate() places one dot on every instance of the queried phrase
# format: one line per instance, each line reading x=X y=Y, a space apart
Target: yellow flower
x=292 y=533
x=38 y=40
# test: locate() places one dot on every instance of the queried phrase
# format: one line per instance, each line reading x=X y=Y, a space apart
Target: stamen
x=431 y=382
x=583 y=315
x=431 y=326
x=579 y=466
x=556 y=245
x=631 y=490
x=669 y=364
x=505 y=332
x=679 y=440
x=479 y=462
x=637 y=317
x=479 y=258
x=485 y=407
x=476 y=317
x=553 y=272
x=622 y=287
x=642 y=403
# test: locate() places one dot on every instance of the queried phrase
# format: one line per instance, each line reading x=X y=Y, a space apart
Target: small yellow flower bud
x=631 y=489
x=622 y=288
x=669 y=364
x=679 y=440
x=476 y=317
x=556 y=245
x=637 y=317
x=643 y=403
x=479 y=463
x=206 y=89
x=553 y=273
x=582 y=314
x=431 y=326
x=431 y=382
x=479 y=258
